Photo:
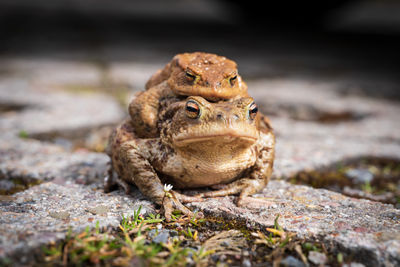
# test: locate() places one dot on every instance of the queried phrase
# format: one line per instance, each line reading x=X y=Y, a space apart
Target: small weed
x=367 y=188
x=339 y=258
x=5 y=262
x=190 y=234
x=23 y=134
x=307 y=246
x=133 y=243
x=92 y=247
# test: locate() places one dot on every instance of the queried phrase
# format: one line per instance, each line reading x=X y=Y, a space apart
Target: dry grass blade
x=299 y=251
x=282 y=234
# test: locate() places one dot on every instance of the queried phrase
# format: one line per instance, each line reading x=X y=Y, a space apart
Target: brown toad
x=200 y=144
x=189 y=74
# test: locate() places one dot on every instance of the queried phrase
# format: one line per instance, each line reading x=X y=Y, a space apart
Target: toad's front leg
x=138 y=170
x=258 y=175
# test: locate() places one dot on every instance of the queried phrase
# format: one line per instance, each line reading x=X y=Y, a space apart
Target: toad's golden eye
x=232 y=80
x=190 y=76
x=193 y=109
x=253 y=109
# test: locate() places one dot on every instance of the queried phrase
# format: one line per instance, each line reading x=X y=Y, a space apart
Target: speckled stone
x=309 y=144
x=46 y=212
x=369 y=229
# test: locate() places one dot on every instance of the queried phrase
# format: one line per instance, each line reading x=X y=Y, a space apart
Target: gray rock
x=162 y=237
x=291 y=261
x=317 y=258
x=362 y=226
x=360 y=176
x=31 y=224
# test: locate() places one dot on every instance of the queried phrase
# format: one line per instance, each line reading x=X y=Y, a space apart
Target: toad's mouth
x=225 y=137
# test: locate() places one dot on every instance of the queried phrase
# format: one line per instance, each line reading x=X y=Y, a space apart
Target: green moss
x=23 y=134
x=19 y=184
x=386 y=178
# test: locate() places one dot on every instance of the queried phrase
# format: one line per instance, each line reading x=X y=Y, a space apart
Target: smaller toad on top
x=202 y=74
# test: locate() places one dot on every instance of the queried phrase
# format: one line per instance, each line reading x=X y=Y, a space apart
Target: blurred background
x=352 y=43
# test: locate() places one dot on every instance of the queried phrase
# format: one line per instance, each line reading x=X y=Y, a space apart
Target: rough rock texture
x=45 y=213
x=45 y=112
x=369 y=230
x=315 y=125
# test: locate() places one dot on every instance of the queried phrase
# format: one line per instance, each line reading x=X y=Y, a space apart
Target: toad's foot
x=174 y=202
x=243 y=186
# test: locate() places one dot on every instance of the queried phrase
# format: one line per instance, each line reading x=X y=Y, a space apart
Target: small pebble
x=20 y=200
x=246 y=263
x=291 y=261
x=98 y=209
x=246 y=253
x=189 y=261
x=360 y=176
x=317 y=257
x=225 y=244
x=173 y=233
x=214 y=257
x=190 y=254
x=353 y=264
x=62 y=215
x=161 y=238
x=152 y=233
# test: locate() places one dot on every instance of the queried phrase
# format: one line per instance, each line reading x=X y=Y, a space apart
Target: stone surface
x=308 y=143
x=45 y=213
x=369 y=229
x=33 y=107
x=47 y=111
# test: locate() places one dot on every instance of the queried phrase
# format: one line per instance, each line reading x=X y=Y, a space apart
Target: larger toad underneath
x=200 y=144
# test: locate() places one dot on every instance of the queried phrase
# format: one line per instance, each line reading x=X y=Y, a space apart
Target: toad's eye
x=192 y=109
x=232 y=80
x=253 y=109
x=190 y=76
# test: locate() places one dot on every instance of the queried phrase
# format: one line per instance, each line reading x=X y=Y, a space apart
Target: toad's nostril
x=219 y=116
x=235 y=117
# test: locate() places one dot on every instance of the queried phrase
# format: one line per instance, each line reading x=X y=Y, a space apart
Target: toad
x=200 y=144
x=189 y=74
